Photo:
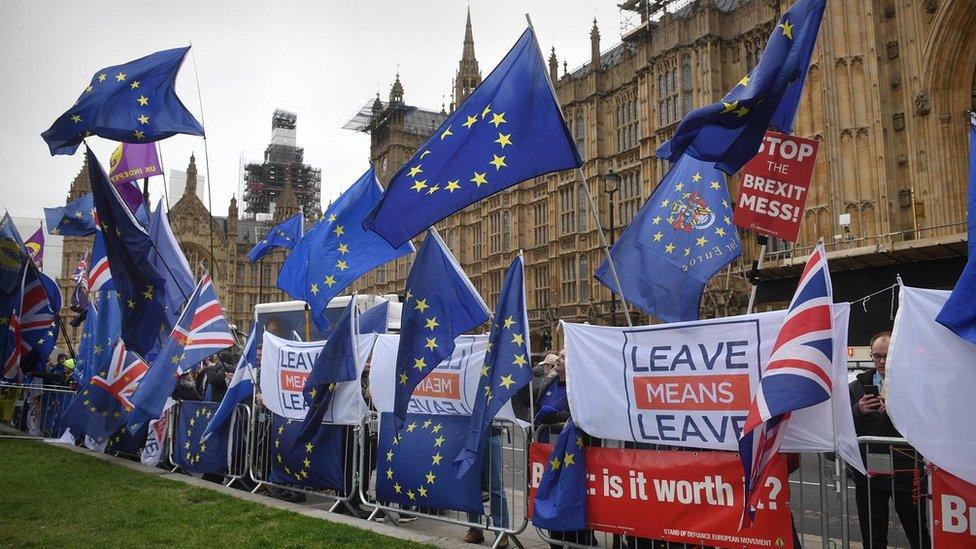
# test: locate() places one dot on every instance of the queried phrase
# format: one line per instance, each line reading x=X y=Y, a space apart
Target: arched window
x=581 y=209
x=686 y=84
x=584 y=278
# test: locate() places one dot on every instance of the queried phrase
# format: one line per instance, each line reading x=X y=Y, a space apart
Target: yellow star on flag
x=143 y=119
x=520 y=360
x=343 y=249
x=403 y=379
x=497 y=119
x=568 y=459
x=744 y=81
x=452 y=186
x=787 y=29
x=341 y=265
x=134 y=85
x=121 y=76
x=555 y=464
x=330 y=280
x=504 y=139
x=75 y=118
x=143 y=100
x=518 y=339
x=509 y=322
x=419 y=363
x=432 y=323
x=669 y=248
x=411 y=427
x=433 y=189
x=714 y=185
x=479 y=179
x=439 y=440
x=729 y=107
x=339 y=230
x=431 y=343
x=415 y=170
x=419 y=185
x=701 y=241
x=436 y=458
x=498 y=162
x=446 y=133
x=422 y=305
x=657 y=236
x=314 y=289
x=430 y=476
x=470 y=122
x=507 y=381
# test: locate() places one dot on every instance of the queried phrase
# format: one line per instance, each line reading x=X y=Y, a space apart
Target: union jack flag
x=32 y=324
x=200 y=332
x=124 y=372
x=797 y=376
x=99 y=275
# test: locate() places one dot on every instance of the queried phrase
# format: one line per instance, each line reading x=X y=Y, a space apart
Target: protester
x=186 y=389
x=491 y=476
x=873 y=494
x=212 y=380
x=553 y=404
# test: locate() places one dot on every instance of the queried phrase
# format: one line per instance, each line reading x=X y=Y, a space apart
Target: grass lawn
x=54 y=497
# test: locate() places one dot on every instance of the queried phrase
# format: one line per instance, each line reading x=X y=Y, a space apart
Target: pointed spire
x=553 y=66
x=595 y=46
x=81 y=184
x=468 y=74
x=191 y=177
x=396 y=91
x=377 y=104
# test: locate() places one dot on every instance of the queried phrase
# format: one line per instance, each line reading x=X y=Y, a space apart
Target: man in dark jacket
x=868 y=394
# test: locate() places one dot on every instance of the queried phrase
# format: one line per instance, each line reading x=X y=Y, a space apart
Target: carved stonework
x=922 y=107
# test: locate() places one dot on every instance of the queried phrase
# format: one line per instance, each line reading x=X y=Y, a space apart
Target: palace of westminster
x=888 y=97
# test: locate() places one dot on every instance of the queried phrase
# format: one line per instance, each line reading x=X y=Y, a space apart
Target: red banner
x=693 y=497
x=774 y=186
x=953 y=512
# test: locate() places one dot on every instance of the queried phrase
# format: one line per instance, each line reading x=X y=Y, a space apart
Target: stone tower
x=468 y=75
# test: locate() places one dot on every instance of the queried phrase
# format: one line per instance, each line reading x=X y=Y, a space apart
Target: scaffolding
x=283 y=165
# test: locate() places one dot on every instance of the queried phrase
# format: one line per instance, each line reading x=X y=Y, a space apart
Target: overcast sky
x=322 y=60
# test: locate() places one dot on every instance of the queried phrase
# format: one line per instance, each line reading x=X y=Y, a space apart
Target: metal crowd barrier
x=260 y=464
x=238 y=442
x=514 y=493
x=32 y=411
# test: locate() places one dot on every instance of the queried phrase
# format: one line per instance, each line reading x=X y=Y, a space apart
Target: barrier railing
x=260 y=463
x=506 y=476
x=32 y=411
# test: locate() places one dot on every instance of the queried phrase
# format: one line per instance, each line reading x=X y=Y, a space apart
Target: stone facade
x=887 y=95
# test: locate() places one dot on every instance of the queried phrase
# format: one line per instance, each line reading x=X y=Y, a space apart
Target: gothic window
x=494 y=285
x=506 y=231
x=540 y=229
x=580 y=133
x=667 y=93
x=494 y=232
x=566 y=210
x=476 y=241
x=569 y=279
x=582 y=203
x=686 y=84
x=540 y=291
x=627 y=134
x=584 y=278
x=630 y=196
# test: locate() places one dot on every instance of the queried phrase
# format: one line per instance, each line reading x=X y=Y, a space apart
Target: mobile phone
x=871 y=390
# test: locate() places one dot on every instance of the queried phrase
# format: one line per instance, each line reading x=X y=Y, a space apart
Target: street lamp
x=612 y=185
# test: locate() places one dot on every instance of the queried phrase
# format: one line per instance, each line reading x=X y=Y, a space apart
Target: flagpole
x=64 y=333
x=762 y=240
x=589 y=197
x=206 y=158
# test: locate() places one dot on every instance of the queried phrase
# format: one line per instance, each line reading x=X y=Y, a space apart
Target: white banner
x=930 y=376
x=285 y=366
x=450 y=389
x=690 y=384
x=155 y=446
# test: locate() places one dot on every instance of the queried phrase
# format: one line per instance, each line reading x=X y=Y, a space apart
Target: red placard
x=693 y=497
x=774 y=186
x=953 y=512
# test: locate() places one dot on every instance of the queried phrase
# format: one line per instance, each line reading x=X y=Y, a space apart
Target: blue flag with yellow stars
x=133 y=103
x=124 y=442
x=730 y=132
x=189 y=453
x=560 y=501
x=139 y=286
x=508 y=364
x=77 y=218
x=508 y=130
x=316 y=464
x=102 y=405
x=681 y=237
x=335 y=364
x=375 y=319
x=413 y=467
x=337 y=250
x=12 y=256
x=283 y=235
x=440 y=304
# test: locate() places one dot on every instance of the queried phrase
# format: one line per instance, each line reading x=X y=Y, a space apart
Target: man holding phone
x=894 y=467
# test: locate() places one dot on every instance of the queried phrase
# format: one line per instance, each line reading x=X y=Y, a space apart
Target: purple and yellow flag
x=130 y=162
x=35 y=247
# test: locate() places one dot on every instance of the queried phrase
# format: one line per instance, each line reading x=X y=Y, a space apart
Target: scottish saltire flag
x=413 y=466
x=958 y=313
x=12 y=256
x=796 y=377
x=200 y=332
x=508 y=130
x=560 y=501
x=35 y=247
x=75 y=219
x=440 y=304
x=241 y=386
x=335 y=364
x=314 y=465
x=375 y=319
x=192 y=454
x=337 y=250
x=102 y=405
x=283 y=235
x=140 y=288
x=133 y=161
x=507 y=367
x=32 y=325
x=168 y=259
x=133 y=103
x=730 y=132
x=681 y=237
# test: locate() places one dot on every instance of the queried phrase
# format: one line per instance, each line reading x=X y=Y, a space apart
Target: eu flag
x=75 y=219
x=508 y=130
x=102 y=405
x=315 y=465
x=201 y=332
x=680 y=238
x=337 y=250
x=440 y=304
x=170 y=263
x=133 y=103
x=560 y=501
x=104 y=323
x=508 y=364
x=140 y=288
x=335 y=364
x=958 y=313
x=283 y=235
x=190 y=453
x=730 y=132
x=374 y=320
x=12 y=255
x=414 y=466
